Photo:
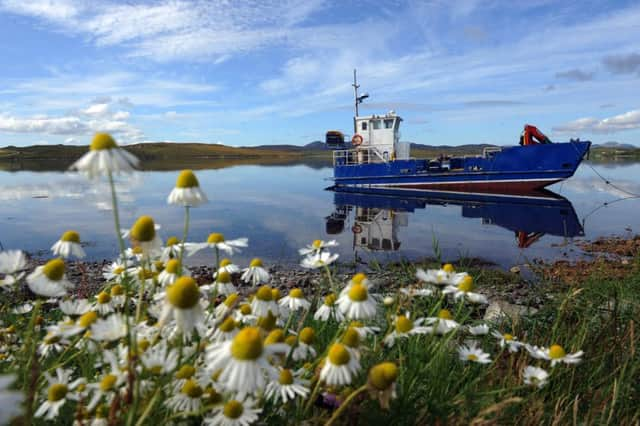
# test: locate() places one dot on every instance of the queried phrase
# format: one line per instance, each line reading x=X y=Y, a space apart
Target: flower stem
x=116 y=218
x=345 y=404
x=184 y=235
x=333 y=287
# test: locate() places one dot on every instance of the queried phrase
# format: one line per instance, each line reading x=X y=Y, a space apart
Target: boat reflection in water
x=378 y=214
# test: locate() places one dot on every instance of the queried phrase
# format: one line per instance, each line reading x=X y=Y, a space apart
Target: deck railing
x=361 y=155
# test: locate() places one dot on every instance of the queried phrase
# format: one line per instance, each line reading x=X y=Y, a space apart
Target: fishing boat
x=376 y=158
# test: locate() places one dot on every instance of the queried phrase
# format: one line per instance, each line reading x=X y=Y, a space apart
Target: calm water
x=280 y=209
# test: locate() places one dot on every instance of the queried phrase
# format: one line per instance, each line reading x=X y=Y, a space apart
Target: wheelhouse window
x=376 y=124
x=388 y=123
x=364 y=125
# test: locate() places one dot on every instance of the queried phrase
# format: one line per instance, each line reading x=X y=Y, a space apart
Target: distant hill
x=615 y=145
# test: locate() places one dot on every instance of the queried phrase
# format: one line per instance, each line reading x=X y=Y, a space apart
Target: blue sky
x=250 y=72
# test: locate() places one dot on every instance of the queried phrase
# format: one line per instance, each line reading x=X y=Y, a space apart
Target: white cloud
x=627 y=121
x=97 y=109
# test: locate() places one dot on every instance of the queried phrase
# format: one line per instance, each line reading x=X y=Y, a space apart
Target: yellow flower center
x=247 y=345
x=87 y=319
x=51 y=339
x=184 y=293
x=143 y=344
x=358 y=293
x=233 y=409
x=382 y=376
x=185 y=372
x=156 y=370
x=556 y=352
x=223 y=277
x=307 y=335
x=102 y=141
x=227 y=325
x=508 y=337
x=445 y=314
x=358 y=278
x=117 y=290
x=231 y=299
x=330 y=299
x=172 y=241
x=215 y=238
x=108 y=382
x=296 y=293
x=286 y=378
x=172 y=266
x=103 y=298
x=225 y=262
x=256 y=262
x=264 y=293
x=245 y=309
x=137 y=250
x=472 y=357
x=339 y=355
x=57 y=391
x=144 y=230
x=290 y=340
x=317 y=244
x=276 y=336
x=448 y=268
x=71 y=236
x=54 y=269
x=187 y=179
x=351 y=338
x=214 y=397
x=403 y=324
x=275 y=294
x=192 y=389
x=466 y=284
x=118 y=270
x=267 y=323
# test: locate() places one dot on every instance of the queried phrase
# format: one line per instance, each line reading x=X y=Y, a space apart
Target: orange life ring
x=356 y=140
x=356 y=229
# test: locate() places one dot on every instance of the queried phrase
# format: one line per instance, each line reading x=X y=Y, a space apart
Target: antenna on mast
x=358 y=99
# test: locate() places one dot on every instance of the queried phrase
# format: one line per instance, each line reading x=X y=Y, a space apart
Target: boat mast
x=356 y=102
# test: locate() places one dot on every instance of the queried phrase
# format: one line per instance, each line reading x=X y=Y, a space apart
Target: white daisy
x=535 y=376
x=263 y=302
x=110 y=383
x=217 y=241
x=170 y=272
x=243 y=361
x=187 y=191
x=111 y=328
x=255 y=274
x=223 y=309
x=555 y=354
x=11 y=263
x=303 y=349
x=227 y=330
x=116 y=270
x=60 y=389
x=69 y=245
x=329 y=310
x=434 y=276
x=103 y=303
x=171 y=250
x=104 y=158
x=49 y=280
x=464 y=289
x=74 y=307
x=471 y=352
x=363 y=330
x=319 y=260
x=443 y=323
x=340 y=366
x=286 y=387
x=420 y=292
x=159 y=359
x=508 y=340
x=357 y=303
x=118 y=295
x=227 y=265
x=295 y=300
x=182 y=303
x=405 y=327
x=188 y=401
x=317 y=246
x=234 y=413
x=478 y=330
x=25 y=308
x=144 y=234
x=223 y=284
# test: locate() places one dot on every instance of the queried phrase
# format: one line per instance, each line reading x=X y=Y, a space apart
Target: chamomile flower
x=68 y=245
x=60 y=389
x=535 y=376
x=117 y=270
x=226 y=265
x=188 y=401
x=464 y=289
x=182 y=303
x=110 y=384
x=109 y=329
x=11 y=263
x=105 y=158
x=357 y=303
x=382 y=382
x=295 y=300
x=303 y=350
x=243 y=361
x=10 y=400
x=187 y=191
x=319 y=260
x=171 y=249
x=103 y=303
x=263 y=302
x=286 y=387
x=74 y=307
x=556 y=354
x=363 y=330
x=508 y=340
x=223 y=284
x=478 y=330
x=340 y=366
x=25 y=308
x=329 y=310
x=405 y=327
x=217 y=241
x=226 y=330
x=443 y=323
x=49 y=280
x=317 y=246
x=235 y=412
x=418 y=292
x=434 y=276
x=255 y=274
x=159 y=359
x=118 y=296
x=472 y=353
x=143 y=234
x=52 y=343
x=170 y=272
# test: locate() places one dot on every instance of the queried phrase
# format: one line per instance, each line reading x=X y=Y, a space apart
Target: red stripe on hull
x=499 y=187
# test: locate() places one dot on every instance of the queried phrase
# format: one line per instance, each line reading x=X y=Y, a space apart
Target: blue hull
x=513 y=169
